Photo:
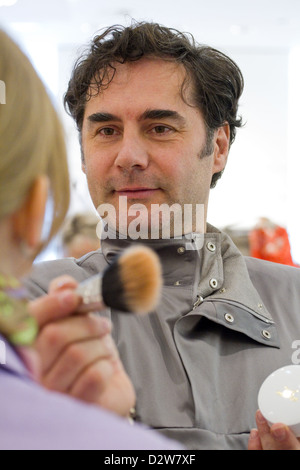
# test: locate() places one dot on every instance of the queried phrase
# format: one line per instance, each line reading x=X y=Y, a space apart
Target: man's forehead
x=148 y=83
x=168 y=72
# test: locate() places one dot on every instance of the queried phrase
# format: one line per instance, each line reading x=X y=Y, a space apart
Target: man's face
x=142 y=141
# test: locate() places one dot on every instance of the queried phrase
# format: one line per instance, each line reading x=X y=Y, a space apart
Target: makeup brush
x=132 y=283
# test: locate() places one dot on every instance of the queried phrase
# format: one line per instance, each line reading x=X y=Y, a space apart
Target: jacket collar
x=230 y=270
x=217 y=270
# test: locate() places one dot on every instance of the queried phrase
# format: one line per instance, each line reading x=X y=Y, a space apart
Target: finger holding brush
x=77 y=353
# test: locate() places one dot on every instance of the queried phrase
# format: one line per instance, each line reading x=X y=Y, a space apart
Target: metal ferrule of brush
x=91 y=293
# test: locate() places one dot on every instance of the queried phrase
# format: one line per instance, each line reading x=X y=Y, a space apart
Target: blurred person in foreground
x=156 y=114
x=79 y=235
x=33 y=165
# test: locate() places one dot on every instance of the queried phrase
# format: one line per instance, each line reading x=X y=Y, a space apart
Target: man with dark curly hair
x=156 y=114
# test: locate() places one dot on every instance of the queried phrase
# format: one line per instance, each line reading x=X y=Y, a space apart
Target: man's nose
x=132 y=153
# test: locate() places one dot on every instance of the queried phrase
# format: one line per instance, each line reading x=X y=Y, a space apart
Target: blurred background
x=263 y=36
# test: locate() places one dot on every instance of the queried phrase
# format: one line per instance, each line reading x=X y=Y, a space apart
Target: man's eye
x=107 y=131
x=161 y=129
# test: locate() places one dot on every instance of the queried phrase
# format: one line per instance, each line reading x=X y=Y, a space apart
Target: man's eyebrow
x=102 y=117
x=148 y=114
x=162 y=114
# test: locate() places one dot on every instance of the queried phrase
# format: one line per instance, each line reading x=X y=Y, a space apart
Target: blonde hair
x=31 y=137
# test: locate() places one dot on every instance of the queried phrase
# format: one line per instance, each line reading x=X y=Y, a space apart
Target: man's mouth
x=137 y=192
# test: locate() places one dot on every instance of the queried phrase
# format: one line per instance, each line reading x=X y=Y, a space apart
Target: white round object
x=279 y=398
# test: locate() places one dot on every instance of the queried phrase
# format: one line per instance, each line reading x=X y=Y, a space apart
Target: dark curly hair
x=217 y=80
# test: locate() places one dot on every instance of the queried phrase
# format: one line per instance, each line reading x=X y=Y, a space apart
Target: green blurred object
x=16 y=324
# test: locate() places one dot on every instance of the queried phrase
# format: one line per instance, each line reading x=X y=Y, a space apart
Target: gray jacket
x=224 y=324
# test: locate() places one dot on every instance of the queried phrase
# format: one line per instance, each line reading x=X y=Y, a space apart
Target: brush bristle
x=141 y=276
x=133 y=283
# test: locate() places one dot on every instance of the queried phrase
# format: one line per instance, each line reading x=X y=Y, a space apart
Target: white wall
x=262 y=175
x=293 y=186
x=254 y=181
x=80 y=198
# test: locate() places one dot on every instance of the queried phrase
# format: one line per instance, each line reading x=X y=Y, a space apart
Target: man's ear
x=28 y=219
x=221 y=148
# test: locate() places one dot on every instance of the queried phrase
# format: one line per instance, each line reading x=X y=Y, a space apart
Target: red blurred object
x=270 y=242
